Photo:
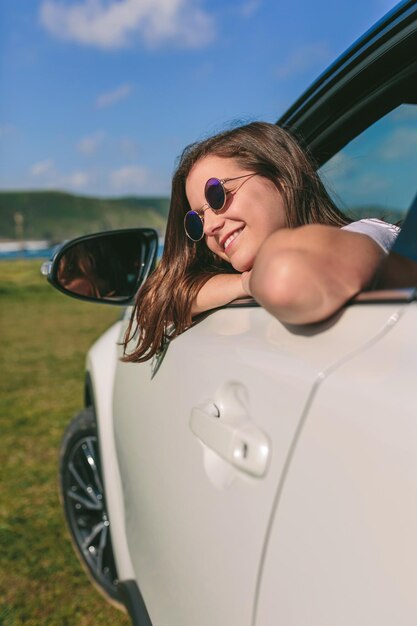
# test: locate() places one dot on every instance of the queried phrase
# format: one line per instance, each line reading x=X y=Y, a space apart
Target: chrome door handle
x=242 y=444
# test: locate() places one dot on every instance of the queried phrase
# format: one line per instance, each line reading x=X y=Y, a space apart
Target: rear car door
x=342 y=548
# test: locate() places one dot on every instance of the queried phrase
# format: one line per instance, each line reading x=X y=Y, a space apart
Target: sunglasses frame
x=200 y=212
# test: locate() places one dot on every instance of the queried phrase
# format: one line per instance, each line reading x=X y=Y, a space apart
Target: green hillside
x=54 y=215
x=387 y=214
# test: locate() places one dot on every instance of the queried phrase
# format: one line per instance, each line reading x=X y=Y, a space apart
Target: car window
x=375 y=174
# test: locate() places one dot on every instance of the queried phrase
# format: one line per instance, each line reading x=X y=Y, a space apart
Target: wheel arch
x=88 y=392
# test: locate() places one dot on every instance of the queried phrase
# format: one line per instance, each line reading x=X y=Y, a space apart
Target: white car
x=255 y=473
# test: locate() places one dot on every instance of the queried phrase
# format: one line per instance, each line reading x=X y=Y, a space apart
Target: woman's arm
x=217 y=291
x=306 y=274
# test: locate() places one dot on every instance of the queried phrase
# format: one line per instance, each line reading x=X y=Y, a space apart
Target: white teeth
x=232 y=237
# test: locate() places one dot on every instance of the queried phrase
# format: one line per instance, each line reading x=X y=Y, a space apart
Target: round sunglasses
x=216 y=196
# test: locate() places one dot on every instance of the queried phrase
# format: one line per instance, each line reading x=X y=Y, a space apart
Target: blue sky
x=99 y=97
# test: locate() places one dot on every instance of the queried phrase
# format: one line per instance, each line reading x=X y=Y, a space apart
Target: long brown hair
x=163 y=304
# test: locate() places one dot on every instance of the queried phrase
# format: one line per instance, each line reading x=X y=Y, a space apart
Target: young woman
x=250 y=217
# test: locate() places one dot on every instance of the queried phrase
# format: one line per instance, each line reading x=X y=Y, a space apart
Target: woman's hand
x=245 y=278
x=220 y=290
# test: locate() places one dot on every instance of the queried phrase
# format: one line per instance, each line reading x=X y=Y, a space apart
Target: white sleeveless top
x=383 y=233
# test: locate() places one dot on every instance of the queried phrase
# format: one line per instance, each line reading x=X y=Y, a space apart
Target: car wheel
x=82 y=496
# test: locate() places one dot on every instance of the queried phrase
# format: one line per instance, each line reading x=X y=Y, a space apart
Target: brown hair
x=163 y=304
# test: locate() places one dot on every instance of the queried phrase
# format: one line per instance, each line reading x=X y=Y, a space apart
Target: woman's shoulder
x=383 y=233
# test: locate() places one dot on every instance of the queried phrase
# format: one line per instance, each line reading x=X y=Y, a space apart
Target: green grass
x=44 y=339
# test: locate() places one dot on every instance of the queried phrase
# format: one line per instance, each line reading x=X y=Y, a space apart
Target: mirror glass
x=104 y=267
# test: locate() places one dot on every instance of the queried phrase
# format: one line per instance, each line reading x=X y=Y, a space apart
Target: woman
x=250 y=216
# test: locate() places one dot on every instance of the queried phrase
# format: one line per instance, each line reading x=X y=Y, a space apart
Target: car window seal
x=386 y=295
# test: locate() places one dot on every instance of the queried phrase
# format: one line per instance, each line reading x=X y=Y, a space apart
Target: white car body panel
x=101 y=365
x=275 y=371
x=343 y=544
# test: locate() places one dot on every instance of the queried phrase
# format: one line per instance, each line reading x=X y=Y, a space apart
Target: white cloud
x=401 y=143
x=98 y=181
x=6 y=130
x=250 y=7
x=339 y=167
x=354 y=185
x=109 y=98
x=368 y=185
x=48 y=176
x=42 y=168
x=303 y=58
x=405 y=113
x=76 y=179
x=129 y=178
x=116 y=24
x=128 y=147
x=90 y=144
x=345 y=178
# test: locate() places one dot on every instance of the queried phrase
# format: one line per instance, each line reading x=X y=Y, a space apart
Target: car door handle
x=243 y=444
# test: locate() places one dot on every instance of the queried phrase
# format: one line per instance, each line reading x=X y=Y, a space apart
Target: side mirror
x=106 y=267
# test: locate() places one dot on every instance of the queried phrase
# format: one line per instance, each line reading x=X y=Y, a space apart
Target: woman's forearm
x=218 y=291
x=306 y=274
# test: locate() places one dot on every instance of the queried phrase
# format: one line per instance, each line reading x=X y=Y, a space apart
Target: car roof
x=370 y=76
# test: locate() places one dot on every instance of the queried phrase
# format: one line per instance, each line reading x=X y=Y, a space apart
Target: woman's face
x=254 y=209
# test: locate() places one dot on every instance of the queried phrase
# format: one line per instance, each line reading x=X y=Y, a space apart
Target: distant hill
x=394 y=216
x=54 y=215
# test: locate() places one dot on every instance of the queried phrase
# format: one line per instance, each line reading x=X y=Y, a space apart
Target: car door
x=342 y=547
x=205 y=438
x=196 y=517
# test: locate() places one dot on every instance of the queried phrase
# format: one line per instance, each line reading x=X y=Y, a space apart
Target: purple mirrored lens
x=215 y=194
x=193 y=225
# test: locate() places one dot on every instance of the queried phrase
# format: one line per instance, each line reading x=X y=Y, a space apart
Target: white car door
x=203 y=445
x=343 y=545
x=342 y=548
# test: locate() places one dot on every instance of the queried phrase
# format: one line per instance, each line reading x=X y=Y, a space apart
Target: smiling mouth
x=232 y=237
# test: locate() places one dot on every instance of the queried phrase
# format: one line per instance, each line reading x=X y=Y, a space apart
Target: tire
x=83 y=500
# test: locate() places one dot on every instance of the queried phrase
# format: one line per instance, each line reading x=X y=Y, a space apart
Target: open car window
x=374 y=175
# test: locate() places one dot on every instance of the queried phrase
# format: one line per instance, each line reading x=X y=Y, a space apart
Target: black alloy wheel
x=82 y=496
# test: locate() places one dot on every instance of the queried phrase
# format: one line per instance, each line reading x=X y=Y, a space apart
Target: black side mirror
x=106 y=267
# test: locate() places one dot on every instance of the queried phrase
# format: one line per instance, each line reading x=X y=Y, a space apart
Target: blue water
x=27 y=254
x=44 y=253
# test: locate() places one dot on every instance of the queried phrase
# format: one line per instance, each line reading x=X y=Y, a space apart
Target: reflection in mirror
x=105 y=267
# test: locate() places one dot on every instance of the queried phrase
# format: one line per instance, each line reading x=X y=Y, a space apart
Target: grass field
x=44 y=339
